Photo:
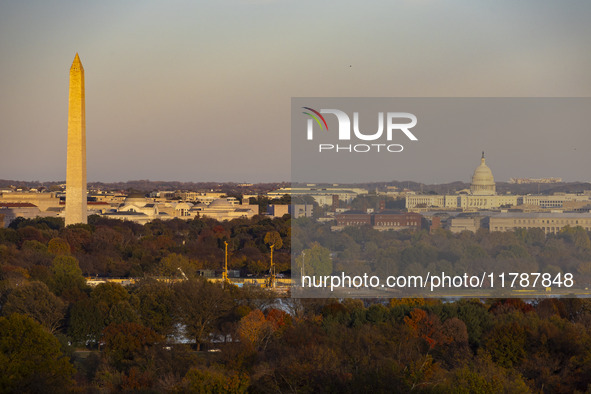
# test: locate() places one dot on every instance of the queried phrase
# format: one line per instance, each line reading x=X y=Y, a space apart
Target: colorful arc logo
x=315 y=116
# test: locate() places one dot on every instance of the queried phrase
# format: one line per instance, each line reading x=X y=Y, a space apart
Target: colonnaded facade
x=483 y=196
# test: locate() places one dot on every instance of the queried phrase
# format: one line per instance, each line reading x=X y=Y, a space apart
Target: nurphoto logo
x=395 y=122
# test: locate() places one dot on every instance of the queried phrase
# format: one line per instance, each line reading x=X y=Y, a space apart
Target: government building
x=482 y=195
x=481 y=207
x=550 y=223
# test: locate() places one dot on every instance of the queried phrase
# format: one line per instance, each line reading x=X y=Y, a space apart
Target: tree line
x=361 y=249
x=117 y=248
x=57 y=334
x=195 y=336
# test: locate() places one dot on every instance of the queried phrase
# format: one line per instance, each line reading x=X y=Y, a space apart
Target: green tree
x=108 y=303
x=110 y=293
x=476 y=317
x=156 y=303
x=273 y=238
x=484 y=376
x=506 y=344
x=257 y=267
x=316 y=261
x=58 y=246
x=35 y=300
x=577 y=236
x=169 y=266
x=67 y=279
x=30 y=358
x=87 y=321
x=215 y=380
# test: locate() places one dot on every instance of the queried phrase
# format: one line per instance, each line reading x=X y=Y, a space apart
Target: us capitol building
x=482 y=196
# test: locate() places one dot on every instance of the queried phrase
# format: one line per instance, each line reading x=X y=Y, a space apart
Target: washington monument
x=76 y=161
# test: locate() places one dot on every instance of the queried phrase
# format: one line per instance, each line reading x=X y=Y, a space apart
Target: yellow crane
x=272 y=279
x=225 y=273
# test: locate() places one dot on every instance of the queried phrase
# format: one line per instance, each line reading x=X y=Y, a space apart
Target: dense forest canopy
x=192 y=335
x=361 y=249
x=115 y=248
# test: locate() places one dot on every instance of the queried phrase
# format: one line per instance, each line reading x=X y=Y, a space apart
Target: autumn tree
x=58 y=246
x=255 y=330
x=199 y=304
x=127 y=344
x=279 y=319
x=426 y=326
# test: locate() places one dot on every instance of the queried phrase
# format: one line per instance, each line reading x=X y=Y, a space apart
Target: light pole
x=303 y=260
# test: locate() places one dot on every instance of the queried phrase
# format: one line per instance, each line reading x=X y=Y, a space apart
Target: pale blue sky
x=200 y=90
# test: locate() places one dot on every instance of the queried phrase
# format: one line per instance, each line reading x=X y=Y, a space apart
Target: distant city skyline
x=200 y=91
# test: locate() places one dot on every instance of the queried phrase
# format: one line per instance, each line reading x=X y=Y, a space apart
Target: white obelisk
x=76 y=161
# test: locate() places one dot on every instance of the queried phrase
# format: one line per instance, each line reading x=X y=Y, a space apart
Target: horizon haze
x=201 y=91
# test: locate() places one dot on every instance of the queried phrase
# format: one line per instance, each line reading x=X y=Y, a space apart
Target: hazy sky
x=201 y=90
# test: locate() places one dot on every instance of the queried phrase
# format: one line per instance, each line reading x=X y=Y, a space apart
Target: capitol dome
x=483 y=182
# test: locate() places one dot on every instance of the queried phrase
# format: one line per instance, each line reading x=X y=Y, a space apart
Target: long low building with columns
x=550 y=223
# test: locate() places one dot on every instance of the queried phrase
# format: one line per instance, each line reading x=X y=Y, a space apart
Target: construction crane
x=225 y=273
x=272 y=279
